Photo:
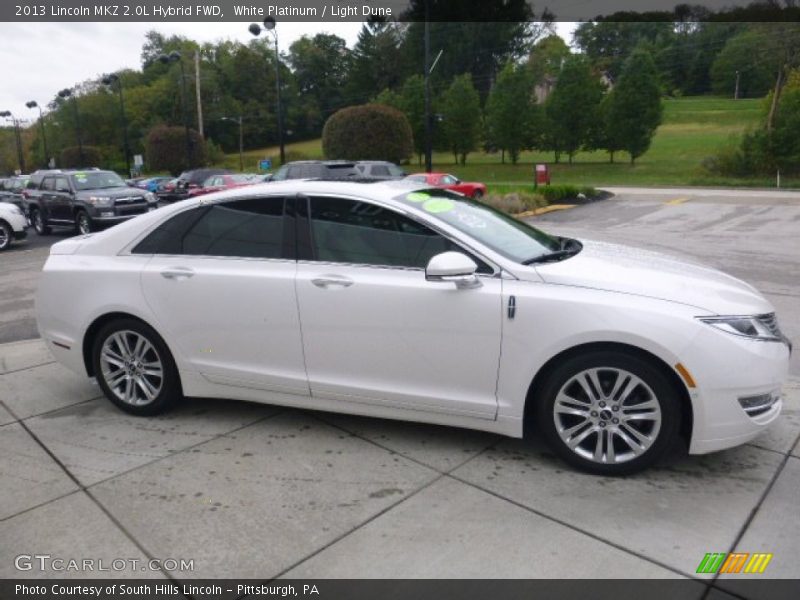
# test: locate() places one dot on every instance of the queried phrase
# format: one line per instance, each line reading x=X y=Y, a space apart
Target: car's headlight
x=757 y=327
x=100 y=201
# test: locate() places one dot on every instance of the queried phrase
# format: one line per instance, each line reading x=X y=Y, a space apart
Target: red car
x=473 y=189
x=217 y=183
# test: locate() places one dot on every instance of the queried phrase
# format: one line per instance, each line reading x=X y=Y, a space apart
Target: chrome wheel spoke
x=636 y=449
x=611 y=455
x=574 y=442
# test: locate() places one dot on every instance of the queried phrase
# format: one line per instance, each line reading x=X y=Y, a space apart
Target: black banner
x=397 y=589
x=333 y=11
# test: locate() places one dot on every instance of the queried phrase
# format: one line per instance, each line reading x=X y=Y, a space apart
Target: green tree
x=750 y=54
x=510 y=112
x=634 y=108
x=367 y=132
x=461 y=113
x=376 y=61
x=608 y=44
x=573 y=108
x=546 y=57
x=412 y=103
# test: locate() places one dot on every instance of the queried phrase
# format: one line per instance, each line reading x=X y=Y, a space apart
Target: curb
x=544 y=210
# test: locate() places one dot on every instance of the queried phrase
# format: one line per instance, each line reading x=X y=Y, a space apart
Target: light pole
x=17 y=139
x=109 y=81
x=66 y=93
x=255 y=29
x=165 y=59
x=241 y=138
x=34 y=104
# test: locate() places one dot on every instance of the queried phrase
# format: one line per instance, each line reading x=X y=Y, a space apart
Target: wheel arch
x=687 y=412
x=99 y=323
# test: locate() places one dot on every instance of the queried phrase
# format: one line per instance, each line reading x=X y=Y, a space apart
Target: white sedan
x=399 y=301
x=13 y=225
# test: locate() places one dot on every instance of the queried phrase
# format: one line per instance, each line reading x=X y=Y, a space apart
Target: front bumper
x=727 y=368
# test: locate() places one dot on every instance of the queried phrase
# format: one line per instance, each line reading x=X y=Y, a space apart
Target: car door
x=375 y=330
x=221 y=284
x=61 y=200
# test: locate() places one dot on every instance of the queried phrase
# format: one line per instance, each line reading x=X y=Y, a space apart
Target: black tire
x=611 y=364
x=6 y=235
x=169 y=393
x=39 y=222
x=83 y=223
x=477 y=195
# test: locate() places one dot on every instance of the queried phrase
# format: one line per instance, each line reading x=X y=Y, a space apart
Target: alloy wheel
x=607 y=415
x=5 y=236
x=84 y=225
x=131 y=367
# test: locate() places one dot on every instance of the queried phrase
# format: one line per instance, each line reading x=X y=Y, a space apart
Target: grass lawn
x=693 y=128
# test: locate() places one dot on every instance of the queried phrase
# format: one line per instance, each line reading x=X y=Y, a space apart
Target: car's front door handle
x=326 y=281
x=177 y=272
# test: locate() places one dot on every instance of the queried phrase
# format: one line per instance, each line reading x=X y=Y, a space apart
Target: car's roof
x=384 y=190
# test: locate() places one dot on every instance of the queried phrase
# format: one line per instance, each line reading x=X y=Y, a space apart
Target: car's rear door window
x=252 y=228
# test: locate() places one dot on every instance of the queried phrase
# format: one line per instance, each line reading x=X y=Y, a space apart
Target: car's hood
x=629 y=270
x=123 y=191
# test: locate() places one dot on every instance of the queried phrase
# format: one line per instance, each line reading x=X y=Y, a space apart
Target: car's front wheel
x=84 y=223
x=477 y=195
x=609 y=412
x=135 y=369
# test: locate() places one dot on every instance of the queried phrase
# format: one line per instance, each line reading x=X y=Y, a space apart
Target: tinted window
x=96 y=180
x=246 y=228
x=348 y=231
x=61 y=185
x=380 y=171
x=49 y=184
x=294 y=173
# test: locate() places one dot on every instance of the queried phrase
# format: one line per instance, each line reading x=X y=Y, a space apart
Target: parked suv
x=85 y=200
x=317 y=169
x=379 y=169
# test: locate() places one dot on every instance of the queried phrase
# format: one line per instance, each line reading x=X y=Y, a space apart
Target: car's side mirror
x=453 y=267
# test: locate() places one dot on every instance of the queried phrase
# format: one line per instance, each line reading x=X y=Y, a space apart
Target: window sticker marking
x=417 y=197
x=438 y=205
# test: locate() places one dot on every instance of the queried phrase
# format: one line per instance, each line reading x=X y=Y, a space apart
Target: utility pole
x=197 y=91
x=736 y=89
x=428 y=124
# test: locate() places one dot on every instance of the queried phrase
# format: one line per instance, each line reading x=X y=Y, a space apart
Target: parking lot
x=249 y=490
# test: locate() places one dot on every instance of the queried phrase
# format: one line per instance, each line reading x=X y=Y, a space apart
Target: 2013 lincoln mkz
x=394 y=300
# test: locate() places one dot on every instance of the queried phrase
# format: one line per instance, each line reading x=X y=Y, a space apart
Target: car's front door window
x=361 y=233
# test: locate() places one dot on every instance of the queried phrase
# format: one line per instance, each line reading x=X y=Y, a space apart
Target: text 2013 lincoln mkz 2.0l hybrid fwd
x=396 y=300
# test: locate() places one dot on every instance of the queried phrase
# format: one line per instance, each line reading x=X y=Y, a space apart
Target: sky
x=39 y=59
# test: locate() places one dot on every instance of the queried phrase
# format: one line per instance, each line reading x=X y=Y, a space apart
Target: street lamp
x=17 y=138
x=172 y=57
x=34 y=104
x=109 y=80
x=255 y=29
x=66 y=93
x=241 y=138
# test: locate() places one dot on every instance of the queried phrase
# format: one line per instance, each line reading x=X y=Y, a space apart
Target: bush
x=215 y=155
x=558 y=193
x=165 y=148
x=515 y=202
x=368 y=132
x=71 y=157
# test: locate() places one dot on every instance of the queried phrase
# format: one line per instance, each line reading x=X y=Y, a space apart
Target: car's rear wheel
x=609 y=412
x=6 y=235
x=135 y=369
x=39 y=224
x=83 y=223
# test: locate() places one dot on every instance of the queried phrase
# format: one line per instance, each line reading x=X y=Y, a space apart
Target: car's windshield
x=396 y=171
x=96 y=180
x=503 y=234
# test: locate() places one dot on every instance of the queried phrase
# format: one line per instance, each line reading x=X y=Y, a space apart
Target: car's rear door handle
x=177 y=272
x=326 y=281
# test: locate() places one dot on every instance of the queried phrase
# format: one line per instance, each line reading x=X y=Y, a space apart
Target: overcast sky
x=41 y=58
